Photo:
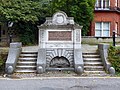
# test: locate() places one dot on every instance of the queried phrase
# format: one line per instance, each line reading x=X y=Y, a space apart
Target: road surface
x=82 y=83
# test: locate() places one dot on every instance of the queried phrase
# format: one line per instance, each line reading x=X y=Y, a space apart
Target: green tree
x=24 y=14
x=20 y=10
x=81 y=10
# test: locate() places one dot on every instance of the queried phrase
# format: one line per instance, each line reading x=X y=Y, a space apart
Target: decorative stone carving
x=59 y=62
x=60 y=18
x=62 y=55
x=59 y=36
x=77 y=35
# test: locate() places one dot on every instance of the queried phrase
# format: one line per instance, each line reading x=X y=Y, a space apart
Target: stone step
x=94 y=69
x=28 y=52
x=93 y=63
x=28 y=55
x=26 y=67
x=94 y=72
x=26 y=59
x=90 y=53
x=91 y=56
x=26 y=63
x=25 y=71
x=92 y=59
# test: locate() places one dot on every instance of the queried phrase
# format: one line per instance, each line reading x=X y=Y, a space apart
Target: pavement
x=48 y=83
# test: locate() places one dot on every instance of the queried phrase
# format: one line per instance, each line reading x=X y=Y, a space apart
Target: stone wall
x=96 y=40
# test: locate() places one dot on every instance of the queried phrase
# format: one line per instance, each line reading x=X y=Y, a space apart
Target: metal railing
x=114 y=36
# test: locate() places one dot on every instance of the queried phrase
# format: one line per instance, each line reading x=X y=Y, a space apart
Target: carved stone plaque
x=60 y=35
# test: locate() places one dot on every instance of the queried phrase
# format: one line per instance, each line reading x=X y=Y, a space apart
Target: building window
x=102 y=29
x=102 y=4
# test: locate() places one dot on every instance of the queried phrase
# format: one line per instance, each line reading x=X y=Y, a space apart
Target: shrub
x=114 y=57
x=3 y=58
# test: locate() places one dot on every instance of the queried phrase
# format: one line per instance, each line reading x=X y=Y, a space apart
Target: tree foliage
x=24 y=14
x=20 y=10
x=81 y=10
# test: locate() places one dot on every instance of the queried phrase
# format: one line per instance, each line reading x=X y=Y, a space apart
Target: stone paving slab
x=85 y=48
x=53 y=74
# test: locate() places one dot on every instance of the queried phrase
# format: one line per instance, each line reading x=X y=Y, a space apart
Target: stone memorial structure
x=59 y=44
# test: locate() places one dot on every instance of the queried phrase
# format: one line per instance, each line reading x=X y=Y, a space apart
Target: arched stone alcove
x=59 y=62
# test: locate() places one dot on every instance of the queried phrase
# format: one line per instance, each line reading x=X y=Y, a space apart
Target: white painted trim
x=96 y=8
x=116 y=3
x=116 y=28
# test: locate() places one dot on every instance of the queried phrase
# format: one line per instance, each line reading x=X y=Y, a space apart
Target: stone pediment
x=59 y=18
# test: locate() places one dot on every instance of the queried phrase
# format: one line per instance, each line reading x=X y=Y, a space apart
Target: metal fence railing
x=114 y=37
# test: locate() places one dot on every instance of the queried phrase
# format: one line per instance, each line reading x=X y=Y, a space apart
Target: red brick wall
x=112 y=3
x=111 y=17
x=106 y=16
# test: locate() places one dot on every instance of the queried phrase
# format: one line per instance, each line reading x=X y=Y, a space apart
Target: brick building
x=106 y=18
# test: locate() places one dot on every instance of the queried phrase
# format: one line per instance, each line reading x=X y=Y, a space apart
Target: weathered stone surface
x=14 y=52
x=41 y=60
x=16 y=45
x=61 y=38
x=103 y=50
x=40 y=69
x=59 y=57
x=78 y=61
x=79 y=70
x=10 y=69
x=112 y=70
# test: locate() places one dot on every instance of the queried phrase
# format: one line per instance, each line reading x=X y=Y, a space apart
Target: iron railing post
x=113 y=38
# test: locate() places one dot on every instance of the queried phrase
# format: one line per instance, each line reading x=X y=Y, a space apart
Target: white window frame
x=116 y=3
x=101 y=8
x=116 y=28
x=102 y=29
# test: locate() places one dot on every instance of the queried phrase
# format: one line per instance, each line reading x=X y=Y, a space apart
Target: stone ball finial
x=79 y=70
x=112 y=70
x=40 y=69
x=10 y=70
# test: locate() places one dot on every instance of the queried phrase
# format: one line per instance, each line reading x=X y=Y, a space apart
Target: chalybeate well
x=59 y=44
